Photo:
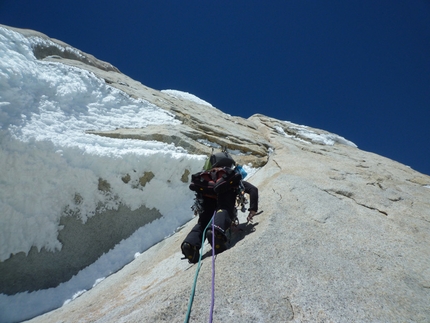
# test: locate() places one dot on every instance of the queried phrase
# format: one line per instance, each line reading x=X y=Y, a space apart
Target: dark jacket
x=253 y=196
x=227 y=200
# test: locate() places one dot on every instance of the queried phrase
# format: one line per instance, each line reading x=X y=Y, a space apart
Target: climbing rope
x=193 y=290
x=213 y=271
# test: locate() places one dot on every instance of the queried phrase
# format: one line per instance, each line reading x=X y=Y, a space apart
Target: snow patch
x=186 y=96
x=304 y=133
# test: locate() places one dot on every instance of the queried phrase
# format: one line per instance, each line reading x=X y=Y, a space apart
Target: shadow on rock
x=239 y=232
x=234 y=235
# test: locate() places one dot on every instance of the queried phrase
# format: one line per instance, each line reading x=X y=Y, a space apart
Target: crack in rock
x=274 y=160
x=350 y=196
x=372 y=208
x=280 y=196
x=290 y=309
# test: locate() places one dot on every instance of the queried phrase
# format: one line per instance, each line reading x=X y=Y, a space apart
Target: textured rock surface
x=343 y=237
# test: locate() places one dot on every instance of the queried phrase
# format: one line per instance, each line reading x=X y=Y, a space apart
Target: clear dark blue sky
x=358 y=68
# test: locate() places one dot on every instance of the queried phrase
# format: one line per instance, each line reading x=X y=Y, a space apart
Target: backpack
x=217 y=180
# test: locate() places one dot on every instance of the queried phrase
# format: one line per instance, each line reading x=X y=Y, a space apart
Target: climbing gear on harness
x=241 y=200
x=197 y=207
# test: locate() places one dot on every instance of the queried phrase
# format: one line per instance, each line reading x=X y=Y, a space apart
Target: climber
x=220 y=204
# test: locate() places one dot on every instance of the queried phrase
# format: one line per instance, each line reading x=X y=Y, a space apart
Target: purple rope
x=213 y=271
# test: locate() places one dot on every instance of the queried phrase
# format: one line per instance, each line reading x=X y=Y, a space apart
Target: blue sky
x=360 y=69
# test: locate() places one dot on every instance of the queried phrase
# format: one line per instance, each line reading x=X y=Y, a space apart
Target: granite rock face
x=344 y=236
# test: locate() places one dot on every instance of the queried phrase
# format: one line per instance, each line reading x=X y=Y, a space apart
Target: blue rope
x=193 y=290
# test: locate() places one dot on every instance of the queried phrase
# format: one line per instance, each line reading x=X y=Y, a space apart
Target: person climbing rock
x=217 y=189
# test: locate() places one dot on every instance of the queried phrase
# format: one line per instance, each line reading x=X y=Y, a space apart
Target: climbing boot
x=190 y=252
x=220 y=240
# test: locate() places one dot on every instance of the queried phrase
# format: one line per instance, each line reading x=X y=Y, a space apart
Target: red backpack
x=215 y=181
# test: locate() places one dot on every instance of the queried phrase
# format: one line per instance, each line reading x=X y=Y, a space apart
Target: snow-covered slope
x=53 y=168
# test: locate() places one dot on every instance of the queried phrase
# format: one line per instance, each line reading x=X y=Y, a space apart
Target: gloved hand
x=250 y=216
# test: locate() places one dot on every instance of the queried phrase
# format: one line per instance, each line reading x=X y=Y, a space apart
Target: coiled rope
x=193 y=290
